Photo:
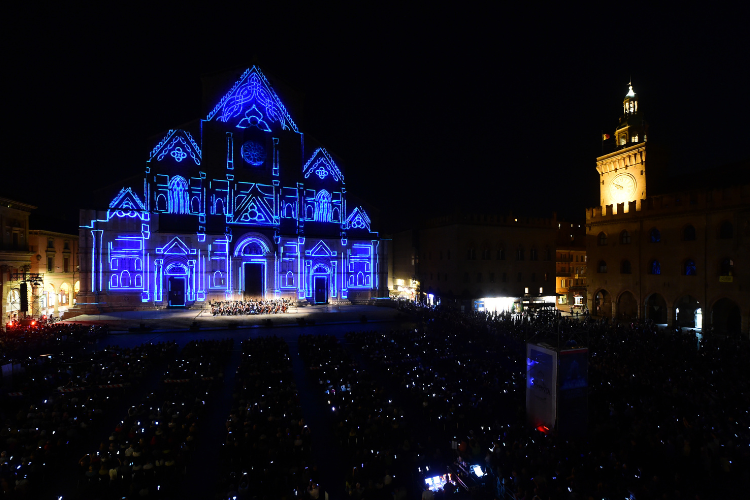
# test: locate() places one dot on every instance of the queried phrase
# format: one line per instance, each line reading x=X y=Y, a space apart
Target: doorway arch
x=656 y=308
x=627 y=306
x=603 y=304
x=687 y=309
x=255 y=266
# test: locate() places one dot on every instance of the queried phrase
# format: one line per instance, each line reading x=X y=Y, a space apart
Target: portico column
x=670 y=317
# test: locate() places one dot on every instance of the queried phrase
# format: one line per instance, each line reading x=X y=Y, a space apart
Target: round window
x=253 y=153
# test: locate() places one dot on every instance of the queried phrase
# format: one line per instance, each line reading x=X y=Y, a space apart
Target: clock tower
x=622 y=171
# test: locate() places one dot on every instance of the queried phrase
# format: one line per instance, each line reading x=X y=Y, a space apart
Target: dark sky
x=430 y=109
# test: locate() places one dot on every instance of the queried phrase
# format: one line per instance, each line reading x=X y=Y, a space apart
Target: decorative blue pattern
x=253 y=153
x=253 y=87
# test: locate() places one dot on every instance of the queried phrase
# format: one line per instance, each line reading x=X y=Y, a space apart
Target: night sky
x=429 y=109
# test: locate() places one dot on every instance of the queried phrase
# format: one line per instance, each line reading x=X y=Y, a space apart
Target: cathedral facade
x=240 y=204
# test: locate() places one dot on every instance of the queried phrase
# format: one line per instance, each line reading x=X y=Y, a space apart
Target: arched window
x=533 y=255
x=289 y=279
x=726 y=230
x=501 y=254
x=689 y=267
x=601 y=239
x=519 y=253
x=727 y=267
x=625 y=267
x=654 y=236
x=654 y=267
x=602 y=268
x=625 y=238
x=323 y=206
x=485 y=254
x=688 y=233
x=178 y=195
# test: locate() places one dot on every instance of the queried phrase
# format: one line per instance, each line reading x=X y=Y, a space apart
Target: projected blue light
x=253 y=153
x=251 y=92
x=168 y=239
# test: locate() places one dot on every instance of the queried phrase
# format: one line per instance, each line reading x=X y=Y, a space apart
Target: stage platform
x=185 y=319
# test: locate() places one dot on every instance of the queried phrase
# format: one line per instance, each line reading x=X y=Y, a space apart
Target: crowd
x=23 y=341
x=146 y=453
x=668 y=415
x=267 y=452
x=245 y=307
x=57 y=402
x=378 y=444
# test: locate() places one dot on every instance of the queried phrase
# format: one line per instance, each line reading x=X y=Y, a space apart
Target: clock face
x=622 y=188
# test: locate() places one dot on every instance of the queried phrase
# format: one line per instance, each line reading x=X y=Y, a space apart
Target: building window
x=65 y=264
x=727 y=267
x=654 y=267
x=625 y=267
x=726 y=231
x=562 y=283
x=546 y=277
x=486 y=254
x=492 y=277
x=449 y=255
x=51 y=243
x=533 y=277
x=654 y=236
x=519 y=254
x=533 y=255
x=479 y=277
x=688 y=234
x=601 y=239
x=547 y=254
x=625 y=238
x=501 y=254
x=505 y=277
x=50 y=264
x=66 y=245
x=689 y=267
x=602 y=266
x=471 y=254
x=520 y=276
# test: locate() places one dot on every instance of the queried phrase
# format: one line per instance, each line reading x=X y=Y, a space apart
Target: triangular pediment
x=175 y=247
x=126 y=200
x=321 y=250
x=252 y=102
x=179 y=145
x=254 y=209
x=358 y=219
x=322 y=165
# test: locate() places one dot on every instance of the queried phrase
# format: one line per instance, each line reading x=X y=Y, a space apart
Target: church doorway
x=176 y=291
x=656 y=309
x=320 y=289
x=253 y=288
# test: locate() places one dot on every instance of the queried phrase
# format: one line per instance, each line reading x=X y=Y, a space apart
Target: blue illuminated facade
x=237 y=205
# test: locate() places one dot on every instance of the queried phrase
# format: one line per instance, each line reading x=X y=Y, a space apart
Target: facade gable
x=179 y=144
x=322 y=165
x=253 y=98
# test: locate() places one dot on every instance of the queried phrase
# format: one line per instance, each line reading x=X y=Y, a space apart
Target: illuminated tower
x=622 y=171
